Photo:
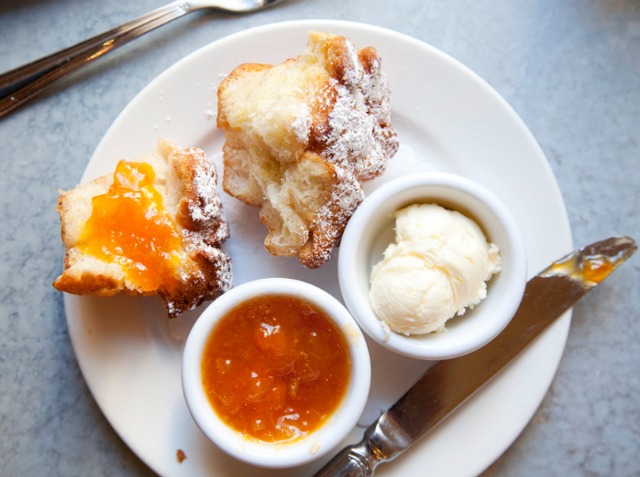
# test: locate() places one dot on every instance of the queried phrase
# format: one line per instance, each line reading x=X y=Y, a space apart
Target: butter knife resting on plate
x=448 y=384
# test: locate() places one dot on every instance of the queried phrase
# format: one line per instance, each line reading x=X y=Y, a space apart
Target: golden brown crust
x=325 y=230
x=186 y=179
x=329 y=106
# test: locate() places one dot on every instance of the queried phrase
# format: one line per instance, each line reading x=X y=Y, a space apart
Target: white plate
x=447 y=119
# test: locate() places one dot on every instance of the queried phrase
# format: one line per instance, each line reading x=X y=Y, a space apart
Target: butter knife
x=449 y=383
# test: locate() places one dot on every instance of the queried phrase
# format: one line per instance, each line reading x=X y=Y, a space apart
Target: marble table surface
x=570 y=69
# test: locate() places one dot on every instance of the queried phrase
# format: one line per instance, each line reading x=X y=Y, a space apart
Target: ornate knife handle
x=353 y=461
x=383 y=441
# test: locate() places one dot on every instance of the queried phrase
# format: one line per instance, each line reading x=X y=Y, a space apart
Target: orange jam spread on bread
x=275 y=368
x=129 y=226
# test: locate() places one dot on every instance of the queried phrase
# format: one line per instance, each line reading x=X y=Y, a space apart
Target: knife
x=449 y=383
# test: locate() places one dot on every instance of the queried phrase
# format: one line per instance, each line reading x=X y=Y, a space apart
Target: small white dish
x=371 y=229
x=307 y=448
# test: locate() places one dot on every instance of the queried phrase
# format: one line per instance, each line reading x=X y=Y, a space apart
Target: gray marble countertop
x=570 y=69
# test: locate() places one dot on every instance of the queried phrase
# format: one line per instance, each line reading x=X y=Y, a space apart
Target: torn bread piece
x=153 y=227
x=301 y=137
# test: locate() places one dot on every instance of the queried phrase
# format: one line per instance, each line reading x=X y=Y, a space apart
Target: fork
x=23 y=83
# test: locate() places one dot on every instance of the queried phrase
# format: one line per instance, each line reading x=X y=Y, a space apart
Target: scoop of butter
x=437 y=269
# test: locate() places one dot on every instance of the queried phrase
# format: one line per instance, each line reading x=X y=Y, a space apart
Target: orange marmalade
x=275 y=368
x=129 y=226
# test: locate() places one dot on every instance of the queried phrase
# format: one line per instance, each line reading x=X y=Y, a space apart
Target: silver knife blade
x=449 y=383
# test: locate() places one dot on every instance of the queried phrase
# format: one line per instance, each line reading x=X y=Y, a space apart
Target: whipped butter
x=437 y=268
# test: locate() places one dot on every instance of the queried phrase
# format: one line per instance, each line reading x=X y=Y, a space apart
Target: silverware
x=23 y=83
x=448 y=384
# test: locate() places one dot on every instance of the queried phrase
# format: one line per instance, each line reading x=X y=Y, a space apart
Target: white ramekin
x=309 y=447
x=371 y=229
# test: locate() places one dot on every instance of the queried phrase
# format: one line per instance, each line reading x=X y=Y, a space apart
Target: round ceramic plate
x=447 y=119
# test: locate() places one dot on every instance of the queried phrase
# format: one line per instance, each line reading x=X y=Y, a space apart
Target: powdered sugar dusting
x=332 y=217
x=359 y=142
x=360 y=137
x=302 y=125
x=202 y=235
x=205 y=208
